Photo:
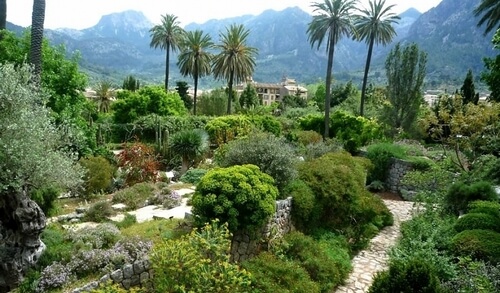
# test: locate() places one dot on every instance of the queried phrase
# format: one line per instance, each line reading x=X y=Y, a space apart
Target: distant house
x=273 y=92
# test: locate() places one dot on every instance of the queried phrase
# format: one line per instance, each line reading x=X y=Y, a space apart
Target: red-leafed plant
x=139 y=163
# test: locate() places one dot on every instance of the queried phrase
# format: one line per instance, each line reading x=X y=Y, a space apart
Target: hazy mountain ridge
x=119 y=44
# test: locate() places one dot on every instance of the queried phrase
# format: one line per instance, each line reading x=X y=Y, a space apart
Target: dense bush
x=99 y=212
x=342 y=203
x=193 y=176
x=313 y=151
x=414 y=275
x=267 y=123
x=381 y=155
x=190 y=145
x=135 y=196
x=139 y=163
x=305 y=137
x=480 y=244
x=273 y=155
x=99 y=174
x=474 y=276
x=271 y=274
x=242 y=196
x=198 y=262
x=303 y=201
x=226 y=128
x=460 y=194
x=471 y=221
x=45 y=197
x=58 y=247
x=313 y=256
x=102 y=236
x=486 y=207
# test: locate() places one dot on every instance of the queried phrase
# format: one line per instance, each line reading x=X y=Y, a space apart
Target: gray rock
x=128 y=271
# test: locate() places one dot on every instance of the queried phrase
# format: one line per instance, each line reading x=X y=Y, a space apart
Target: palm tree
x=189 y=144
x=104 y=95
x=167 y=36
x=37 y=22
x=194 y=58
x=490 y=9
x=374 y=25
x=236 y=60
x=333 y=20
x=3 y=14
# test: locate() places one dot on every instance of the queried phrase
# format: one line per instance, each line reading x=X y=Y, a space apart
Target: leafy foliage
x=471 y=221
x=272 y=274
x=213 y=103
x=224 y=129
x=193 y=176
x=460 y=194
x=130 y=83
x=99 y=174
x=381 y=155
x=134 y=196
x=99 y=212
x=273 y=155
x=249 y=98
x=139 y=163
x=189 y=144
x=479 y=244
x=492 y=74
x=198 y=262
x=242 y=196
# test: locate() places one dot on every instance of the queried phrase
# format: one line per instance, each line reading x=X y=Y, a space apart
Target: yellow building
x=273 y=92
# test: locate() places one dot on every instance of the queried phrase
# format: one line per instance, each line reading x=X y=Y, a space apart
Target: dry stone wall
x=245 y=245
x=397 y=170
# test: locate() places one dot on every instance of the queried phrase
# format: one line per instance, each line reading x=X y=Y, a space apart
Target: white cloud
x=83 y=14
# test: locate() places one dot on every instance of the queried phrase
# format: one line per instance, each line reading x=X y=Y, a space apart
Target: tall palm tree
x=333 y=20
x=490 y=9
x=194 y=59
x=167 y=36
x=236 y=60
x=37 y=22
x=374 y=26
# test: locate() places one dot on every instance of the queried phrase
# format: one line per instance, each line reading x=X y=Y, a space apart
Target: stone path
x=368 y=262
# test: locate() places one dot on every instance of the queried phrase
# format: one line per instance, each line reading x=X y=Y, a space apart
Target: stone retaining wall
x=245 y=245
x=135 y=274
x=397 y=170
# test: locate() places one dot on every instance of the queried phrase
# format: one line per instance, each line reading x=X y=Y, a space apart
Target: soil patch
x=389 y=195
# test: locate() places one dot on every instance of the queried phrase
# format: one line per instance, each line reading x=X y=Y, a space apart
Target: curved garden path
x=373 y=259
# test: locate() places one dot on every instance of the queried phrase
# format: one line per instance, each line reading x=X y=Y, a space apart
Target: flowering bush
x=54 y=276
x=102 y=236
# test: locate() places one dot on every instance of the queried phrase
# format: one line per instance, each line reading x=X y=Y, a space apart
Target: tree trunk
x=365 y=77
x=167 y=66
x=37 y=22
x=21 y=223
x=230 y=94
x=195 y=87
x=329 y=68
x=3 y=15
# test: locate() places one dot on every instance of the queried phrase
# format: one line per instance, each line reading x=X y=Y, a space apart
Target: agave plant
x=189 y=144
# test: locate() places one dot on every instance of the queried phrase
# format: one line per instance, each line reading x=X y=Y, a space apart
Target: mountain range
x=118 y=45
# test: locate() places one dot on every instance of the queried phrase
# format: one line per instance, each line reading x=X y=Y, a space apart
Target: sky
x=80 y=14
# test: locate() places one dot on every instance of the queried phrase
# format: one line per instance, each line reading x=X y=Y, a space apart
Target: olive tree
x=31 y=158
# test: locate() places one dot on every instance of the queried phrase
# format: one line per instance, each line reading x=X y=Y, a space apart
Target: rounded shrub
x=242 y=196
x=485 y=207
x=99 y=175
x=413 y=275
x=460 y=194
x=271 y=274
x=46 y=197
x=381 y=155
x=480 y=244
x=193 y=176
x=303 y=202
x=471 y=221
x=273 y=155
x=99 y=212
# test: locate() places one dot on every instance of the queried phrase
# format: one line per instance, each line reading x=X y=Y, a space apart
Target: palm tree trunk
x=329 y=68
x=37 y=22
x=3 y=15
x=167 y=66
x=365 y=77
x=195 y=87
x=230 y=94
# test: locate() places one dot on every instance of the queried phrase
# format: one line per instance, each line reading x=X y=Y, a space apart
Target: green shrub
x=381 y=155
x=135 y=196
x=474 y=276
x=271 y=274
x=242 y=196
x=267 y=123
x=116 y=288
x=303 y=202
x=99 y=212
x=485 y=168
x=421 y=163
x=103 y=236
x=99 y=175
x=307 y=137
x=341 y=201
x=193 y=176
x=479 y=244
x=414 y=275
x=226 y=128
x=273 y=155
x=485 y=207
x=45 y=197
x=460 y=194
x=190 y=145
x=471 y=221
x=312 y=255
x=313 y=151
x=58 y=247
x=198 y=262
x=127 y=221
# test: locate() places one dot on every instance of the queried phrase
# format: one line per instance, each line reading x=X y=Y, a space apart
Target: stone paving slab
x=374 y=258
